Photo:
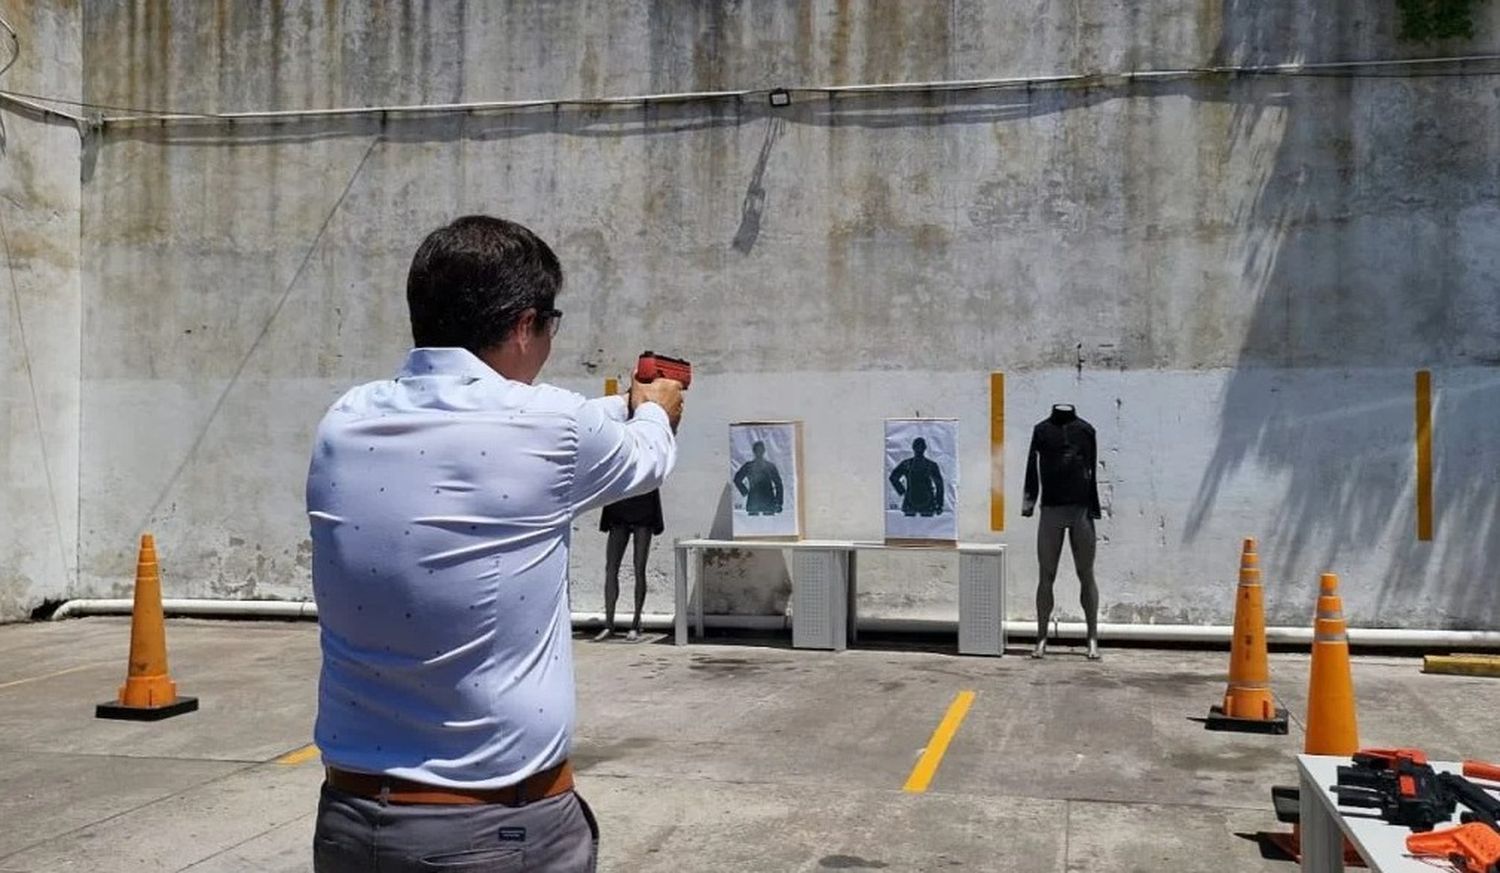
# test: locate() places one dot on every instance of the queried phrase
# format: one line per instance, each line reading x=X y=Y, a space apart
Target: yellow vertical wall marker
x=997 y=451
x=932 y=756
x=611 y=386
x=1424 y=455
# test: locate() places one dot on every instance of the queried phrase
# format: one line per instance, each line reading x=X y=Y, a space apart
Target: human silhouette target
x=764 y=479
x=921 y=479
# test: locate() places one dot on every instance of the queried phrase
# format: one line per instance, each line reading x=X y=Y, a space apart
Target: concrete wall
x=40 y=352
x=1234 y=277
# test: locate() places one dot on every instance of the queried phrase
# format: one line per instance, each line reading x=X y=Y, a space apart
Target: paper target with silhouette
x=921 y=479
x=765 y=479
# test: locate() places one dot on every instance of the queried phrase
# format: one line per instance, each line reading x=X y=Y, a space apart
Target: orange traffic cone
x=149 y=694
x=1248 y=704
x=1331 y=725
x=1332 y=728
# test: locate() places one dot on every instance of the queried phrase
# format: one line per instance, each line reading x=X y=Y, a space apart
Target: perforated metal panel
x=819 y=599
x=981 y=604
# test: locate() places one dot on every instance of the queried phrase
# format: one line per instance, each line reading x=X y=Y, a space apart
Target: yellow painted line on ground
x=997 y=451
x=611 y=387
x=932 y=756
x=1424 y=454
x=77 y=669
x=301 y=756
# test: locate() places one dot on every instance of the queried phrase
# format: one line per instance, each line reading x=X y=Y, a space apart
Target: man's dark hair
x=470 y=281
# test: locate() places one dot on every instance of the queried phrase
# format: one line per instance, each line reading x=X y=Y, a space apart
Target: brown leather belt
x=548 y=783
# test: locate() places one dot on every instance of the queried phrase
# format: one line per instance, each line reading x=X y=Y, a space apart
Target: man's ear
x=525 y=329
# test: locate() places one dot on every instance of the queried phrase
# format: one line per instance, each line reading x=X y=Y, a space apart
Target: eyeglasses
x=553 y=318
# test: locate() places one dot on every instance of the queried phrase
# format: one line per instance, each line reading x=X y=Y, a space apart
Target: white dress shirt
x=441 y=504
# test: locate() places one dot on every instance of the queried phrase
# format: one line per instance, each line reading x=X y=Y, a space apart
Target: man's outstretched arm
x=619 y=459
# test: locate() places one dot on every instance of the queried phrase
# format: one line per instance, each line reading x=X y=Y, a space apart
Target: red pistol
x=653 y=366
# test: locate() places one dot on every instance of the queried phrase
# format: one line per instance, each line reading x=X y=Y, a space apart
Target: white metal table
x=1324 y=825
x=825 y=576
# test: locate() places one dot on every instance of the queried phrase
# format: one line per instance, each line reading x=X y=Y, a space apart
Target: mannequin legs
x=1074 y=523
x=614 y=555
x=1049 y=542
x=642 y=552
x=614 y=552
x=1083 y=539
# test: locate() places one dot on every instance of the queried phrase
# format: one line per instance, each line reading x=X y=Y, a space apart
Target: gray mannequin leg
x=1050 y=527
x=642 y=537
x=1084 y=540
x=614 y=553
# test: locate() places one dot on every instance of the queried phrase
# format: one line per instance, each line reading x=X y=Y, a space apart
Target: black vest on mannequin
x=1061 y=462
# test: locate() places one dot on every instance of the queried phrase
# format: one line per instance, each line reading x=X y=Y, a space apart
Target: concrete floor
x=739 y=756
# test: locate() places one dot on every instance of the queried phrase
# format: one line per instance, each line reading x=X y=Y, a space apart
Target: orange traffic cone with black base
x=149 y=694
x=1248 y=704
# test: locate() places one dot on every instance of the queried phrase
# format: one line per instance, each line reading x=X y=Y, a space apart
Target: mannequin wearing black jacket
x=1060 y=468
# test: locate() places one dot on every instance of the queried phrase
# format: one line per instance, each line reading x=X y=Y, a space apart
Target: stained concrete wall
x=40 y=352
x=1234 y=277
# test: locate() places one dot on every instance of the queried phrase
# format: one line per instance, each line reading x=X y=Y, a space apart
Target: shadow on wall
x=1372 y=253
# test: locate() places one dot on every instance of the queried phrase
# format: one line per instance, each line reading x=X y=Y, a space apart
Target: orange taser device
x=652 y=366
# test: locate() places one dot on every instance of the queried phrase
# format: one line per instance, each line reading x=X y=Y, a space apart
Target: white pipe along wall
x=1200 y=634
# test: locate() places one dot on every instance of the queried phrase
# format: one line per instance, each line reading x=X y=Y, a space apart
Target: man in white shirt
x=441 y=504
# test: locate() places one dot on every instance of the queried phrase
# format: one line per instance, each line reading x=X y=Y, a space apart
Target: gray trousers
x=361 y=835
x=1078 y=524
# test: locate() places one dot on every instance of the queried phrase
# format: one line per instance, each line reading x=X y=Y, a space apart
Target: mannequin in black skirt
x=638 y=517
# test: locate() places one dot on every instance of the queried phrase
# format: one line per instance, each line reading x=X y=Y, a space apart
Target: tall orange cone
x=149 y=694
x=1248 y=704
x=1332 y=728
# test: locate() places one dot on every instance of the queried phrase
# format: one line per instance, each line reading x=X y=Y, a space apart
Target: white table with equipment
x=1325 y=825
x=825 y=585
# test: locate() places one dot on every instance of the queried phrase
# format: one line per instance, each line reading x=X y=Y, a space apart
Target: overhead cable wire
x=36 y=398
x=265 y=329
x=1406 y=67
x=26 y=101
x=15 y=43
